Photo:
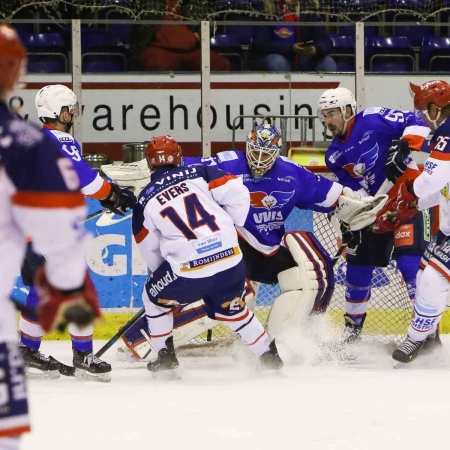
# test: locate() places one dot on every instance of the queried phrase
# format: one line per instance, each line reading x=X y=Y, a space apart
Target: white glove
x=350 y=204
x=368 y=217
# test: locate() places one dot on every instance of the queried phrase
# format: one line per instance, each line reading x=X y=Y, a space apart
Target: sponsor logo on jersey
x=276 y=199
x=429 y=167
x=155 y=287
x=227 y=156
x=284 y=33
x=65 y=139
x=208 y=244
x=404 y=235
x=334 y=156
x=366 y=136
x=287 y=179
x=200 y=263
x=365 y=162
x=423 y=324
x=445 y=192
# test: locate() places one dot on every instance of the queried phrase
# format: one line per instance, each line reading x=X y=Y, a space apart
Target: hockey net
x=390 y=308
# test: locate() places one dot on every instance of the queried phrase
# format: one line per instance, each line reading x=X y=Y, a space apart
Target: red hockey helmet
x=163 y=151
x=436 y=91
x=12 y=57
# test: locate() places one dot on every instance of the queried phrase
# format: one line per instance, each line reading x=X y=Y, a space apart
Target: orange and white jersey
x=187 y=216
x=433 y=185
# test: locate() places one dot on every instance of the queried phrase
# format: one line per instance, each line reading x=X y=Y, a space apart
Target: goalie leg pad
x=305 y=288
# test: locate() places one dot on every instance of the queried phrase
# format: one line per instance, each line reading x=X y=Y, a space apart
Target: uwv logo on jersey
x=365 y=162
x=272 y=218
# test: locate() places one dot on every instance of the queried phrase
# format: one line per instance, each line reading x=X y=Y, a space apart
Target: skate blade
x=36 y=374
x=166 y=375
x=400 y=365
x=82 y=374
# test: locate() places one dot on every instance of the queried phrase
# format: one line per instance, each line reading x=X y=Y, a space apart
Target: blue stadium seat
x=102 y=51
x=435 y=54
x=343 y=52
x=46 y=52
x=389 y=54
x=228 y=45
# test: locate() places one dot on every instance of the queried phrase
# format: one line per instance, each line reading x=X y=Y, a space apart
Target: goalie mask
x=50 y=101
x=163 y=151
x=436 y=91
x=337 y=98
x=262 y=149
x=12 y=58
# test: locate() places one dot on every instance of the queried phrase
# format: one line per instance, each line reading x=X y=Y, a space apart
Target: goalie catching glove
x=119 y=200
x=351 y=206
x=397 y=210
x=58 y=308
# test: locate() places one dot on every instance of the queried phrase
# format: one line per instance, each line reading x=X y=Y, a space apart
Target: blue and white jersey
x=92 y=184
x=358 y=159
x=39 y=199
x=285 y=186
x=187 y=216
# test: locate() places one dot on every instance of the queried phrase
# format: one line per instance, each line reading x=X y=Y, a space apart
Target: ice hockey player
x=184 y=225
x=362 y=151
x=56 y=107
x=277 y=185
x=432 y=187
x=39 y=198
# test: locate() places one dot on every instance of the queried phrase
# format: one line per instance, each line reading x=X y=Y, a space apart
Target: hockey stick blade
x=120 y=333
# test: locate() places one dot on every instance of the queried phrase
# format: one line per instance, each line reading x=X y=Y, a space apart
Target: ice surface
x=220 y=403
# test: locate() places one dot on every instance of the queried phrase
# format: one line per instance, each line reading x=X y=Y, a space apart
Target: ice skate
x=432 y=344
x=352 y=332
x=165 y=364
x=407 y=352
x=271 y=360
x=89 y=367
x=37 y=365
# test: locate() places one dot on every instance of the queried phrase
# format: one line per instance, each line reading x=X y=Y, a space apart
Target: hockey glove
x=397 y=156
x=119 y=201
x=58 y=308
x=396 y=211
x=354 y=238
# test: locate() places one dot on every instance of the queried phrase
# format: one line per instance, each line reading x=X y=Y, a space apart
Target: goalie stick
x=119 y=334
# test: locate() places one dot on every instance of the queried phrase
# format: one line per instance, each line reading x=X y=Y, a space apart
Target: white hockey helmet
x=51 y=99
x=336 y=98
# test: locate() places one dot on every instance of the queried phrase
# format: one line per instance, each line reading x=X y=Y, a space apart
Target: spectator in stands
x=285 y=48
x=170 y=47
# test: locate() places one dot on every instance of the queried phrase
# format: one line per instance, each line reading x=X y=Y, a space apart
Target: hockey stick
x=120 y=333
x=95 y=214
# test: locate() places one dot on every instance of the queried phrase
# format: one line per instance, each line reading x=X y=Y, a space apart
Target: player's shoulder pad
x=25 y=133
x=374 y=110
x=62 y=136
x=228 y=155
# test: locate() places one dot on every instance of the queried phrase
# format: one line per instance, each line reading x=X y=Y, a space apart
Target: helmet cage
x=263 y=147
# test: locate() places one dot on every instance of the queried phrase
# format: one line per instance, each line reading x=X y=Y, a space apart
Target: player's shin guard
x=31 y=332
x=246 y=325
x=409 y=267
x=160 y=324
x=357 y=294
x=431 y=298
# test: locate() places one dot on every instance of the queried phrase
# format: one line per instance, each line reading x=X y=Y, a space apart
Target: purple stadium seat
x=435 y=54
x=389 y=54
x=229 y=46
x=102 y=52
x=343 y=52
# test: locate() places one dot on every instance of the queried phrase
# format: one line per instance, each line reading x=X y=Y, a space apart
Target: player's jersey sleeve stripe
x=440 y=156
x=213 y=184
x=141 y=235
x=414 y=141
x=98 y=189
x=48 y=199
